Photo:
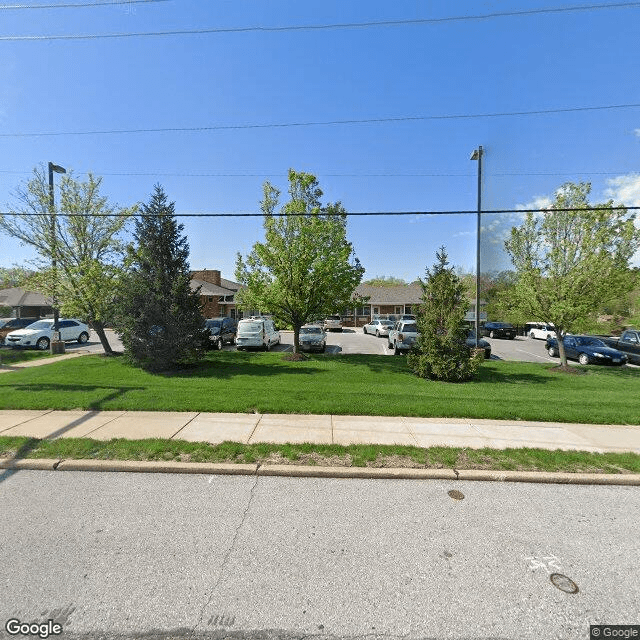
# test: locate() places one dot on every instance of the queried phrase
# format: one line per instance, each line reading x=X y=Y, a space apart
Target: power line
x=76 y=5
x=276 y=125
x=381 y=174
x=343 y=25
x=348 y=213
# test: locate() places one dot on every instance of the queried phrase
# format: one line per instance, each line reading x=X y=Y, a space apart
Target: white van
x=540 y=330
x=256 y=333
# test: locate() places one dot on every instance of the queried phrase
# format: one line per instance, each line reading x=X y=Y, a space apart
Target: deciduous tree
x=571 y=259
x=82 y=235
x=305 y=268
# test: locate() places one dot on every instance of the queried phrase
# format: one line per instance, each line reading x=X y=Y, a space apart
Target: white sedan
x=40 y=333
x=379 y=327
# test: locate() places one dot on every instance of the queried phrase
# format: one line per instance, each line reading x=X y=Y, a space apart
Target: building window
x=210 y=299
x=363 y=311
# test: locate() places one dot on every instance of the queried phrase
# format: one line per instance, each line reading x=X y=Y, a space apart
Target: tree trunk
x=98 y=327
x=296 y=338
x=563 y=355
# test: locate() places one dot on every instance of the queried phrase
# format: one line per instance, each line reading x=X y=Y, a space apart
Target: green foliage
x=13 y=276
x=82 y=235
x=158 y=315
x=499 y=294
x=441 y=352
x=385 y=281
x=305 y=268
x=571 y=263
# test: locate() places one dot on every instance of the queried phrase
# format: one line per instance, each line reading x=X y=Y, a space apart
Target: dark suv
x=7 y=325
x=221 y=331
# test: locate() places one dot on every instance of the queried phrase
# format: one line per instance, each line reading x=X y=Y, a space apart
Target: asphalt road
x=186 y=556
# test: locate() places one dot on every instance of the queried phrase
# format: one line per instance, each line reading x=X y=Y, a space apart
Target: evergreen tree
x=159 y=316
x=441 y=352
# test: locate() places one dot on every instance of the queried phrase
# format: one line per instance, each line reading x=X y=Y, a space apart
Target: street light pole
x=56 y=314
x=477 y=155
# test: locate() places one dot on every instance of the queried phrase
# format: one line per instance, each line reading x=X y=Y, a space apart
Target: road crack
x=227 y=555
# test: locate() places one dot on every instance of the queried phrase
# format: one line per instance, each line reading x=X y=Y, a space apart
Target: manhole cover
x=563 y=583
x=456 y=495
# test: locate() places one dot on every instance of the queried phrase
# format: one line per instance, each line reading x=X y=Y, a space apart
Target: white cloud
x=539 y=202
x=625 y=189
x=637 y=132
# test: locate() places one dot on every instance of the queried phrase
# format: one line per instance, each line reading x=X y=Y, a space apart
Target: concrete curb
x=34 y=464
x=152 y=466
x=299 y=471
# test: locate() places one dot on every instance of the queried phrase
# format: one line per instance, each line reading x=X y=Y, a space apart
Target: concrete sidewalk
x=322 y=429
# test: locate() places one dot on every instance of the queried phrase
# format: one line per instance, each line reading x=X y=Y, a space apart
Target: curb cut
x=298 y=471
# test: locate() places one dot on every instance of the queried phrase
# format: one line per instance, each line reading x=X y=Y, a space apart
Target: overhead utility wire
x=76 y=5
x=272 y=174
x=231 y=127
x=319 y=27
x=347 y=213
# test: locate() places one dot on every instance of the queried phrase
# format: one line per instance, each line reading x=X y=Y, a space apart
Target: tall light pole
x=54 y=168
x=477 y=155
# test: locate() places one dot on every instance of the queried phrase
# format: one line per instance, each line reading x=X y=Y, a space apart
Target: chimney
x=212 y=276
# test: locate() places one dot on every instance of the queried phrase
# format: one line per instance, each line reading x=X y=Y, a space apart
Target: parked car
x=498 y=330
x=7 y=325
x=587 y=350
x=40 y=333
x=379 y=327
x=256 y=333
x=221 y=331
x=332 y=323
x=312 y=338
x=482 y=344
x=402 y=336
x=628 y=342
x=540 y=330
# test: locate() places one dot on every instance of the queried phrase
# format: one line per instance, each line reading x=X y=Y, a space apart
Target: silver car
x=333 y=323
x=379 y=327
x=312 y=338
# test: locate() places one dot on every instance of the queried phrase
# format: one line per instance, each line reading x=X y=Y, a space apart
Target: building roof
x=398 y=294
x=403 y=294
x=18 y=297
x=208 y=289
x=230 y=284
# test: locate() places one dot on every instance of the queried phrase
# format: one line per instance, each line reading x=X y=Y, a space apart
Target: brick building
x=217 y=294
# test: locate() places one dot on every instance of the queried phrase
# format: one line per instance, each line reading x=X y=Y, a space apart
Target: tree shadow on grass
x=232 y=363
x=94 y=405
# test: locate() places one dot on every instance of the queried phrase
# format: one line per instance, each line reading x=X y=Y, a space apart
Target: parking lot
x=353 y=340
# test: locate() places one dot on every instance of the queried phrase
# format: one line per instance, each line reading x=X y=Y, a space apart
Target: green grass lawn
x=356 y=455
x=230 y=381
x=11 y=356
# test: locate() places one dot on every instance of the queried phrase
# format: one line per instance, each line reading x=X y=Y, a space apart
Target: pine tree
x=441 y=352
x=159 y=316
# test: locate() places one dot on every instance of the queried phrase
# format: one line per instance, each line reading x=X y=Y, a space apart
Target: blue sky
x=501 y=64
